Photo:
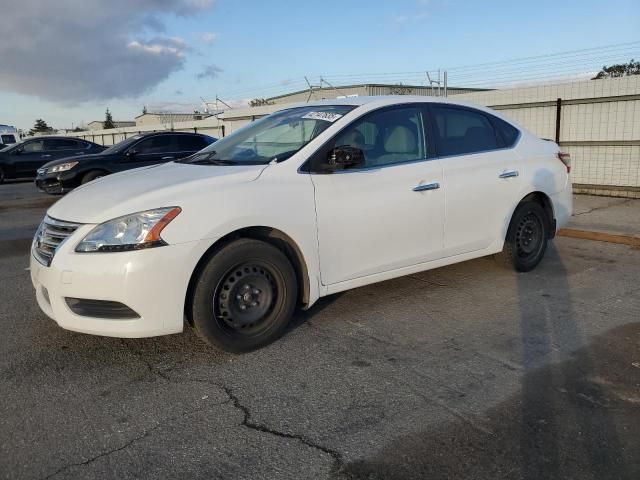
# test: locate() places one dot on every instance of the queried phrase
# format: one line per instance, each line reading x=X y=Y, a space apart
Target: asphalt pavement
x=467 y=371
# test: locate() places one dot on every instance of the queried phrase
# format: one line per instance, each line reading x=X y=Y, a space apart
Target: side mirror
x=131 y=153
x=345 y=156
x=18 y=151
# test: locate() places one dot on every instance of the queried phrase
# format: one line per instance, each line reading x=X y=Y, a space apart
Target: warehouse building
x=365 y=89
x=167 y=118
x=98 y=124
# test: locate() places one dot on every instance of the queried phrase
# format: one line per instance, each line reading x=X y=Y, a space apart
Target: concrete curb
x=631 y=240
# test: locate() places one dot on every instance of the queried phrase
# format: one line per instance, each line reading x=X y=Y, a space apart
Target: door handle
x=509 y=174
x=426 y=186
x=168 y=158
x=46 y=156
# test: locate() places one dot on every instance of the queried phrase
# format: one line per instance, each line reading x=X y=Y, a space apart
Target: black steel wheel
x=527 y=237
x=245 y=296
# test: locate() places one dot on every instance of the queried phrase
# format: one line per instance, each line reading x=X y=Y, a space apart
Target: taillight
x=566 y=159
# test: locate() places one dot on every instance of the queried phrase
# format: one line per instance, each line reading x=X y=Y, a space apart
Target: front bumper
x=56 y=183
x=152 y=282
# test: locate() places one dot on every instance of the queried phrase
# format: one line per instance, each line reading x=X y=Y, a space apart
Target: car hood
x=75 y=158
x=145 y=188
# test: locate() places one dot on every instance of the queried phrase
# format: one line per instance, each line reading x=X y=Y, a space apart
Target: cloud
x=71 y=51
x=178 y=92
x=209 y=71
x=208 y=38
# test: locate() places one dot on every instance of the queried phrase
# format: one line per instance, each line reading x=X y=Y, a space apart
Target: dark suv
x=65 y=174
x=23 y=159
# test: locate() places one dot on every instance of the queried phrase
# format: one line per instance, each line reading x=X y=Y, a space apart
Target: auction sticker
x=325 y=116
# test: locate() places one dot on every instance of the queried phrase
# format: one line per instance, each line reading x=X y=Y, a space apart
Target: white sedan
x=306 y=202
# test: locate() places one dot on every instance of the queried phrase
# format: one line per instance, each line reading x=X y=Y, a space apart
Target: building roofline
x=360 y=85
x=173 y=113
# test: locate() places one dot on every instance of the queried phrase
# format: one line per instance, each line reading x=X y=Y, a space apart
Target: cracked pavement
x=467 y=371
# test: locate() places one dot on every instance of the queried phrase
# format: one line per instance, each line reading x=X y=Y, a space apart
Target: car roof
x=390 y=100
x=169 y=132
x=383 y=100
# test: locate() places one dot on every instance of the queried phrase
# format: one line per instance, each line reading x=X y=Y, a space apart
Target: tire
x=244 y=297
x=527 y=238
x=92 y=175
x=2 y=177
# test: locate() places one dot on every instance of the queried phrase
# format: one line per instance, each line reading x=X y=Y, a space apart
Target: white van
x=8 y=136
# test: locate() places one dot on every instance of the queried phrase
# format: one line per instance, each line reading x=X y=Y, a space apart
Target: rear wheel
x=527 y=238
x=245 y=296
x=2 y=178
x=92 y=175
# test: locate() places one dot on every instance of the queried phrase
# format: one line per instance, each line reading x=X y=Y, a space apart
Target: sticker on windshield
x=326 y=116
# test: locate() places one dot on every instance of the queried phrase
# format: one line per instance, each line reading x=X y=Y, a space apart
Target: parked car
x=63 y=175
x=306 y=202
x=23 y=159
x=8 y=136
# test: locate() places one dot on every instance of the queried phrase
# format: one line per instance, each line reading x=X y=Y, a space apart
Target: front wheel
x=90 y=176
x=527 y=238
x=244 y=296
x=2 y=178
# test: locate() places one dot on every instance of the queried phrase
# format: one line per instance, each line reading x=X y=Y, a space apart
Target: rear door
x=65 y=147
x=481 y=177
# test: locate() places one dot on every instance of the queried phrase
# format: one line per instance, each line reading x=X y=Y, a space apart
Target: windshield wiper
x=212 y=161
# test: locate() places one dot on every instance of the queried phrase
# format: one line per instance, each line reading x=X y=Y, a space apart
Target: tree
x=259 y=102
x=619 y=70
x=40 y=127
x=108 y=121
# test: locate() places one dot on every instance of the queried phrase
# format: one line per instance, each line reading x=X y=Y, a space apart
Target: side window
x=387 y=137
x=62 y=144
x=156 y=144
x=463 y=131
x=33 y=146
x=190 y=143
x=7 y=139
x=508 y=132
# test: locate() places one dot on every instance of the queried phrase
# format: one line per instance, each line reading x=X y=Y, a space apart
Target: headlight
x=131 y=232
x=63 y=167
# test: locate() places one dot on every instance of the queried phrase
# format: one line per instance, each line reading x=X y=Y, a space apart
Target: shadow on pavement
x=579 y=418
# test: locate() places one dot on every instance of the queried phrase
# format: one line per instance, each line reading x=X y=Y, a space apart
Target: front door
x=31 y=156
x=150 y=151
x=387 y=214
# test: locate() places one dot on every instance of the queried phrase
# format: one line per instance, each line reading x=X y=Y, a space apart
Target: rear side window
x=462 y=131
x=509 y=133
x=190 y=143
x=63 y=144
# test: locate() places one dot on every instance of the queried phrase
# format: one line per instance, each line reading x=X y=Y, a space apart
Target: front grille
x=50 y=235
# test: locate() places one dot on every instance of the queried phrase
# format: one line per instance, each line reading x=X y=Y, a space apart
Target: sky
x=67 y=61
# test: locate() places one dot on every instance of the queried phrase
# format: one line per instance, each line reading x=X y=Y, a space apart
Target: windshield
x=123 y=145
x=273 y=138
